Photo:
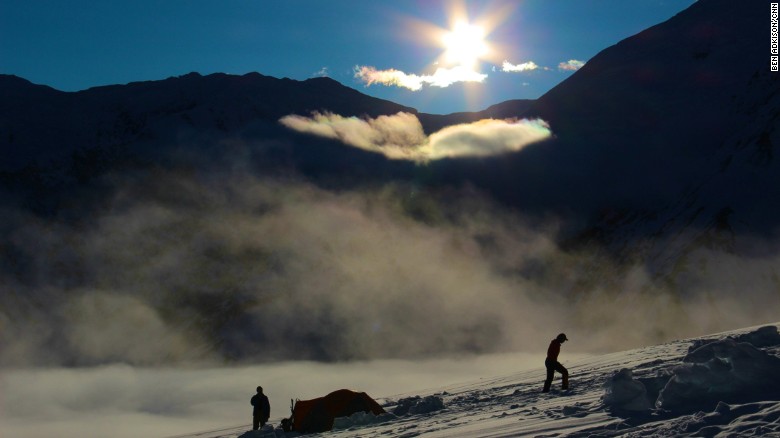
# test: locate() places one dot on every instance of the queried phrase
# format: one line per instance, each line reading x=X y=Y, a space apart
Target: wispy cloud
x=442 y=77
x=401 y=136
x=395 y=136
x=526 y=66
x=322 y=73
x=571 y=65
x=487 y=137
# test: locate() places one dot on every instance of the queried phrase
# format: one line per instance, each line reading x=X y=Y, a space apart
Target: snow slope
x=722 y=385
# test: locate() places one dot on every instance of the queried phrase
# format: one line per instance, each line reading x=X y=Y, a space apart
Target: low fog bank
x=123 y=401
x=180 y=267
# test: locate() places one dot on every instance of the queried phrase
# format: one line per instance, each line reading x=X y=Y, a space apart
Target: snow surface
x=715 y=386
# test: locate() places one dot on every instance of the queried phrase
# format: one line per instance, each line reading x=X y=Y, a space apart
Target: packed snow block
x=741 y=354
x=428 y=404
x=724 y=370
x=623 y=392
x=654 y=384
x=418 y=405
x=404 y=404
x=266 y=431
x=359 y=419
x=766 y=336
x=318 y=415
x=698 y=343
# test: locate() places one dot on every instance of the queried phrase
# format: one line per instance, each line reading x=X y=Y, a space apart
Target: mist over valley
x=243 y=219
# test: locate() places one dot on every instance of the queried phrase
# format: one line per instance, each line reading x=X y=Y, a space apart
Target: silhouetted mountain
x=669 y=136
x=39 y=125
x=654 y=107
x=504 y=110
x=636 y=127
x=639 y=125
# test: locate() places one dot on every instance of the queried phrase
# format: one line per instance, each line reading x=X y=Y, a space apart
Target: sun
x=465 y=44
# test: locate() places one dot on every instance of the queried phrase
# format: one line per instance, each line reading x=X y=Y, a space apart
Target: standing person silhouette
x=262 y=409
x=552 y=364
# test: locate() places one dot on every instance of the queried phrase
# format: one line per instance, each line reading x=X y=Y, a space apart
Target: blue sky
x=76 y=44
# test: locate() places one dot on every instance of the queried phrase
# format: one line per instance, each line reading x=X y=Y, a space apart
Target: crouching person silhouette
x=262 y=409
x=552 y=364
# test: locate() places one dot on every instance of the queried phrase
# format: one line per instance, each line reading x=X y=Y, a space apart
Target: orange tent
x=317 y=415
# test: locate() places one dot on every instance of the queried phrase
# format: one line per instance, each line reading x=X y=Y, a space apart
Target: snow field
x=721 y=385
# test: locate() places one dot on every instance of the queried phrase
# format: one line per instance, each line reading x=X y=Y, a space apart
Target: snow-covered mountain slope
x=676 y=131
x=728 y=209
x=640 y=120
x=719 y=385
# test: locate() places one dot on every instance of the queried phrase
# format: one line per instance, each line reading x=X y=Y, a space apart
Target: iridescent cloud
x=401 y=136
x=571 y=65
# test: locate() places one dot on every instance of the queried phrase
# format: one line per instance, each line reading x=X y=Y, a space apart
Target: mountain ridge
x=113 y=115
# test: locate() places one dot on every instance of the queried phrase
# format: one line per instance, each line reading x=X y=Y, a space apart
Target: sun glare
x=465 y=44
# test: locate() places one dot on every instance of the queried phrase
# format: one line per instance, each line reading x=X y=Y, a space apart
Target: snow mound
x=751 y=419
x=418 y=405
x=622 y=391
x=266 y=431
x=766 y=336
x=724 y=370
x=361 y=419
